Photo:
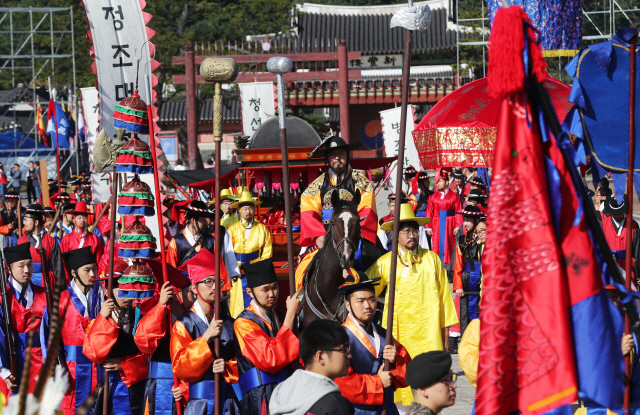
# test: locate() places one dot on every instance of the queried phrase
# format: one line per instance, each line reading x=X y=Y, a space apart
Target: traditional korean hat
x=80 y=209
x=34 y=211
x=68 y=207
x=60 y=196
x=134 y=157
x=131 y=114
x=137 y=241
x=403 y=197
x=333 y=142
x=17 y=253
x=49 y=210
x=260 y=273
x=225 y=194
x=611 y=206
x=77 y=258
x=406 y=215
x=201 y=266
x=174 y=276
x=194 y=209
x=442 y=174
x=11 y=195
x=410 y=172
x=137 y=282
x=245 y=197
x=423 y=175
x=457 y=174
x=472 y=212
x=76 y=180
x=361 y=282
x=477 y=181
x=136 y=199
x=476 y=194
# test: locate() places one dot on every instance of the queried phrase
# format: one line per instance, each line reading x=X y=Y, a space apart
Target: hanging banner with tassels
x=123 y=56
x=257 y=105
x=391 y=135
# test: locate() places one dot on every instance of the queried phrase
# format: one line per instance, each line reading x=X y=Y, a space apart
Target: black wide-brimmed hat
x=477 y=195
x=197 y=209
x=476 y=181
x=361 y=282
x=472 y=212
x=457 y=174
x=423 y=175
x=403 y=197
x=410 y=172
x=11 y=195
x=333 y=142
x=611 y=206
x=34 y=211
x=260 y=273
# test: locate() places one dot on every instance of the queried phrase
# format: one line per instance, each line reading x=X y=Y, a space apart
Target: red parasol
x=460 y=130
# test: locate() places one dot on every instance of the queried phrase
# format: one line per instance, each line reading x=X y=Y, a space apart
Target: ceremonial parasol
x=460 y=130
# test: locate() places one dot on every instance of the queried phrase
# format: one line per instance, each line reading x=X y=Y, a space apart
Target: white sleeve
x=4 y=372
x=230 y=255
x=423 y=241
x=383 y=237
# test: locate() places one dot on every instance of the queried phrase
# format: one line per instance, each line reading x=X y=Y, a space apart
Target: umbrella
x=460 y=130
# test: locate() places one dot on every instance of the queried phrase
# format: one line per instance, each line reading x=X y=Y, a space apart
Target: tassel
x=506 y=47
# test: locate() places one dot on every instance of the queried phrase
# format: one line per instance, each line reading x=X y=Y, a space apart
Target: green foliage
x=315 y=120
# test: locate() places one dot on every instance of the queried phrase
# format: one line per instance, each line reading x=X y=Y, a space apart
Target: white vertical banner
x=391 y=135
x=90 y=109
x=257 y=105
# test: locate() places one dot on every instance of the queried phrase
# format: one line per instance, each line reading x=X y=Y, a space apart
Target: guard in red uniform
x=365 y=383
x=80 y=236
x=35 y=235
x=153 y=338
x=442 y=208
x=192 y=342
x=266 y=345
x=28 y=302
x=82 y=300
x=109 y=343
x=614 y=226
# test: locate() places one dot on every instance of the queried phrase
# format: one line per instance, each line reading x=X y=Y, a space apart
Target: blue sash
x=247 y=258
x=160 y=370
x=205 y=389
x=24 y=340
x=620 y=255
x=162 y=375
x=442 y=231
x=254 y=377
x=83 y=373
x=119 y=394
x=474 y=280
x=36 y=275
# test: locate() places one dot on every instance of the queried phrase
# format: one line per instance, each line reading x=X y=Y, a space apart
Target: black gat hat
x=260 y=273
x=18 y=253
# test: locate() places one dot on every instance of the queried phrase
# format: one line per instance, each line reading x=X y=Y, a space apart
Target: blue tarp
x=12 y=140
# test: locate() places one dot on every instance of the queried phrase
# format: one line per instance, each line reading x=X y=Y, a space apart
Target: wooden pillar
x=343 y=88
x=192 y=119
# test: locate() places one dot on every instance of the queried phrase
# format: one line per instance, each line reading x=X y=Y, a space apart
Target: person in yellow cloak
x=423 y=300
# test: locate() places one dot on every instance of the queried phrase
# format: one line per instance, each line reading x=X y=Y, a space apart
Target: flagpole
x=55 y=126
x=629 y=230
x=396 y=214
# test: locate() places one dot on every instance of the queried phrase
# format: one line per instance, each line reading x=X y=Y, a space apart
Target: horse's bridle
x=345 y=239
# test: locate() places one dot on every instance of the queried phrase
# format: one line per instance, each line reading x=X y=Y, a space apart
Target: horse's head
x=345 y=224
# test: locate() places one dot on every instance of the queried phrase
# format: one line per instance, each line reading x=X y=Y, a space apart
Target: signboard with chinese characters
x=391 y=135
x=376 y=62
x=257 y=105
x=122 y=54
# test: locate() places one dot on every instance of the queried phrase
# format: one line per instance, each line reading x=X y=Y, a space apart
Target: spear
x=218 y=71
x=410 y=18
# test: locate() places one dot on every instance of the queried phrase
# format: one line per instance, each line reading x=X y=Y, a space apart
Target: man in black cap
x=422 y=197
x=468 y=173
x=266 y=344
x=613 y=226
x=9 y=217
x=27 y=305
x=36 y=236
x=65 y=224
x=364 y=385
x=432 y=382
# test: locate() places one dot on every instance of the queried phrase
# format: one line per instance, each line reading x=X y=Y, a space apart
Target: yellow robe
x=253 y=249
x=423 y=304
x=468 y=351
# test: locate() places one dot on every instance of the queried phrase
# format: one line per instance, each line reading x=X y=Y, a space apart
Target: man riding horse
x=316 y=208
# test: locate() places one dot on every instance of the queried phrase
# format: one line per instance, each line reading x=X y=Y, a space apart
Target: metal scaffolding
x=598 y=25
x=34 y=43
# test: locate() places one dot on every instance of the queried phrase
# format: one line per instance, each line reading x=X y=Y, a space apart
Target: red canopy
x=460 y=130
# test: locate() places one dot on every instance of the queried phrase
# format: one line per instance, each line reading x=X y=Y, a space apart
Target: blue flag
x=56 y=117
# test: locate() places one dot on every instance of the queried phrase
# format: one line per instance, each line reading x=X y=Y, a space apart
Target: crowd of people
x=159 y=353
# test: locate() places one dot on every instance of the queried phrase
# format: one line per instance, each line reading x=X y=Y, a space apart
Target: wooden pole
x=192 y=120
x=343 y=88
x=396 y=214
x=629 y=220
x=55 y=126
x=44 y=182
x=19 y=215
x=279 y=66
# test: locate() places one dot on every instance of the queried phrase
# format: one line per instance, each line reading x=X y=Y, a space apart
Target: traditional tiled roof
x=176 y=111
x=366 y=29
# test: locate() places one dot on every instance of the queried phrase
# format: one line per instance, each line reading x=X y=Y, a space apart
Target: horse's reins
x=324 y=304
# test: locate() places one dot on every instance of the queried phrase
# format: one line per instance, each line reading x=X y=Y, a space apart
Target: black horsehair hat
x=472 y=212
x=260 y=273
x=457 y=174
x=611 y=206
x=77 y=258
x=476 y=194
x=332 y=142
x=363 y=283
x=477 y=181
x=17 y=253
x=197 y=209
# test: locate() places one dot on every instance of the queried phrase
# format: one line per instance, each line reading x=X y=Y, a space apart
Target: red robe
x=619 y=242
x=20 y=318
x=72 y=241
x=73 y=334
x=437 y=203
x=51 y=251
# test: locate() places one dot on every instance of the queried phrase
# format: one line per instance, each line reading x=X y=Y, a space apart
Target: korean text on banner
x=257 y=103
x=90 y=107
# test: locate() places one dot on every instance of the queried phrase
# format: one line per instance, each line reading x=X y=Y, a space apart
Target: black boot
x=453 y=345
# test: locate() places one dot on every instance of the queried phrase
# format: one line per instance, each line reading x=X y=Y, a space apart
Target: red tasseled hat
x=201 y=266
x=176 y=278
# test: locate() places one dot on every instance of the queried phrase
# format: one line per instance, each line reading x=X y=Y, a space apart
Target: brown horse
x=324 y=275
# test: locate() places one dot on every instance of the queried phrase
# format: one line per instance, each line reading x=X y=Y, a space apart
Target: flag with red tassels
x=549 y=332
